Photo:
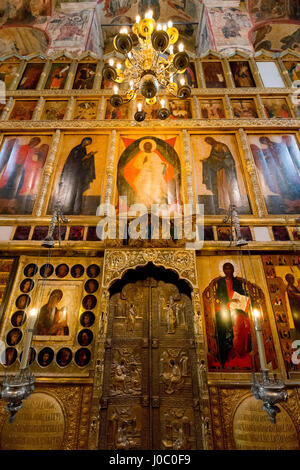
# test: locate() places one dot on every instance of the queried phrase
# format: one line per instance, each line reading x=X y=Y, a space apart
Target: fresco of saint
x=21 y=163
x=277 y=158
x=283 y=280
x=219 y=179
x=228 y=303
x=149 y=172
x=79 y=177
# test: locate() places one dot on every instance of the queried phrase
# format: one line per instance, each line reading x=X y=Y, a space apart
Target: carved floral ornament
x=117 y=262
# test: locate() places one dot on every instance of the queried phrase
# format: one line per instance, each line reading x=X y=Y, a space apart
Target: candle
x=111 y=62
x=137 y=19
x=182 y=81
x=159 y=27
x=162 y=102
x=180 y=47
x=28 y=338
x=139 y=107
x=171 y=49
x=150 y=14
x=164 y=27
x=170 y=24
x=123 y=31
x=116 y=90
x=259 y=339
x=131 y=84
x=119 y=66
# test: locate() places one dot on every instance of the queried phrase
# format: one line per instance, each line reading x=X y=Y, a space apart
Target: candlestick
x=28 y=337
x=259 y=340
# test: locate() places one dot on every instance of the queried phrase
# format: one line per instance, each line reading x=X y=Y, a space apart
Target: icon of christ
x=149 y=173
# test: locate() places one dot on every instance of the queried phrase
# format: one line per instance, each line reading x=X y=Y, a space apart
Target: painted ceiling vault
x=76 y=26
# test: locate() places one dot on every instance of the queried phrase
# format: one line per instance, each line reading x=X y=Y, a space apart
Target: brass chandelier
x=148 y=66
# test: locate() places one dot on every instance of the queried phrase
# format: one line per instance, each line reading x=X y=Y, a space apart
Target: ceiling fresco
x=277 y=37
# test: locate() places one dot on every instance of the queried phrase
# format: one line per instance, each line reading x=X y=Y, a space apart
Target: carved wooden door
x=150 y=391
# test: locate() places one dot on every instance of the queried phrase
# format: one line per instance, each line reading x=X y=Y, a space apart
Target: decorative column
x=38 y=109
x=110 y=167
x=44 y=75
x=196 y=107
x=7 y=109
x=101 y=109
x=201 y=78
x=261 y=107
x=17 y=76
x=228 y=74
x=47 y=174
x=98 y=375
x=98 y=76
x=188 y=167
x=250 y=164
x=70 y=108
x=284 y=73
x=228 y=108
x=256 y=74
x=71 y=75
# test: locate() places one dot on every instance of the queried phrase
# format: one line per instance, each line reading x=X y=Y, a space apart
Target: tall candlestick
x=28 y=338
x=259 y=340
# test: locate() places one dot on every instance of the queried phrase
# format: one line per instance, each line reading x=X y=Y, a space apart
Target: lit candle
x=162 y=102
x=159 y=27
x=164 y=27
x=259 y=339
x=139 y=107
x=111 y=62
x=116 y=90
x=182 y=81
x=150 y=14
x=129 y=55
x=28 y=337
x=123 y=31
x=119 y=66
x=170 y=24
x=171 y=78
x=180 y=47
x=137 y=19
x=171 y=49
x=131 y=84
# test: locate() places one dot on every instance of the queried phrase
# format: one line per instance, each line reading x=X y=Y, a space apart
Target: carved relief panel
x=149 y=373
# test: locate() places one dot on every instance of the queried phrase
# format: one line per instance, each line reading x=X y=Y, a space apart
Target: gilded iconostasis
x=110 y=308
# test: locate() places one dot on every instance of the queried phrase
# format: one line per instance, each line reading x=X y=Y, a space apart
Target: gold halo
x=173 y=34
x=144 y=141
x=146 y=27
x=151 y=101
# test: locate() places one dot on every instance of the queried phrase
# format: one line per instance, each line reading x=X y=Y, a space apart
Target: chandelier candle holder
x=57 y=218
x=16 y=388
x=150 y=64
x=270 y=390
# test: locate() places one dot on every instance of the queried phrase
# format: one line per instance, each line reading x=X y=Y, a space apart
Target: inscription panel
x=39 y=425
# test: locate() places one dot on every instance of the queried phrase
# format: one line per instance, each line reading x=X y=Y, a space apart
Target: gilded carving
x=177 y=429
x=119 y=261
x=174 y=369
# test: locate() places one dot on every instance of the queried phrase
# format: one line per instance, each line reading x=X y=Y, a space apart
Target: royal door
x=150 y=392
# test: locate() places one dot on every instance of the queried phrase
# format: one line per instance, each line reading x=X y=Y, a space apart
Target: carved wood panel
x=150 y=392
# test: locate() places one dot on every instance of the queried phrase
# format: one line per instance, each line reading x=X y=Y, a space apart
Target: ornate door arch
x=150 y=396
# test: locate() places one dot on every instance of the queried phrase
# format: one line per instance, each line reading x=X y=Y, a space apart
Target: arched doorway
x=150 y=394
